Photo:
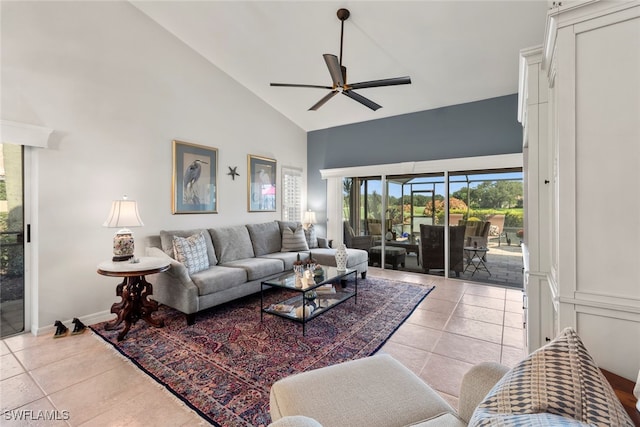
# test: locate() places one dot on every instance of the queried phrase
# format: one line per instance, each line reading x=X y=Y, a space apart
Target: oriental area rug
x=223 y=366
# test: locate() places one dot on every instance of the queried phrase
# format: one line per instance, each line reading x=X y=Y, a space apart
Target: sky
x=457 y=182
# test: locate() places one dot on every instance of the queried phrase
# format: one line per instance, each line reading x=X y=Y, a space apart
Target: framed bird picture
x=194 y=183
x=261 y=184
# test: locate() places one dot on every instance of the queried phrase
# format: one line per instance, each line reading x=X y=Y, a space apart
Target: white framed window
x=292 y=183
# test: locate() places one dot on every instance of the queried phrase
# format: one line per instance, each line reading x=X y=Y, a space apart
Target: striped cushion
x=558 y=384
x=192 y=252
x=294 y=240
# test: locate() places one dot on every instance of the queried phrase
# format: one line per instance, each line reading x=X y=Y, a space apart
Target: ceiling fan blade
x=323 y=100
x=361 y=99
x=384 y=82
x=334 y=69
x=300 y=85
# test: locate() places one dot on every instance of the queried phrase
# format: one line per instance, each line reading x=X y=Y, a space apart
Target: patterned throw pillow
x=558 y=384
x=192 y=252
x=293 y=241
x=310 y=235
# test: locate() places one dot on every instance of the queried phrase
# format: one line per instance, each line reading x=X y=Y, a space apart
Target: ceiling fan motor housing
x=343 y=14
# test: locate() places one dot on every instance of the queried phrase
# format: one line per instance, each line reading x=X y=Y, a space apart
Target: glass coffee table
x=329 y=290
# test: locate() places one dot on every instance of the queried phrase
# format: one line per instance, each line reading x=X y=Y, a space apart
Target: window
x=291 y=194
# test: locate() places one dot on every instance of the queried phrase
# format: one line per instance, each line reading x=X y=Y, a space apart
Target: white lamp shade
x=309 y=217
x=124 y=213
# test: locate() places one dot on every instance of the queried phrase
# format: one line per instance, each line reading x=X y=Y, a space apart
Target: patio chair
x=497 y=226
x=476 y=232
x=417 y=222
x=432 y=248
x=374 y=226
x=356 y=242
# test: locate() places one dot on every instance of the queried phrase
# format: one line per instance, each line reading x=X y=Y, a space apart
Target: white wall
x=118 y=89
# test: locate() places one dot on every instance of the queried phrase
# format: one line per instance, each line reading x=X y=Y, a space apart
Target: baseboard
x=89 y=319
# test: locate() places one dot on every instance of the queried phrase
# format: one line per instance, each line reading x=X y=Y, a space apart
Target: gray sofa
x=239 y=257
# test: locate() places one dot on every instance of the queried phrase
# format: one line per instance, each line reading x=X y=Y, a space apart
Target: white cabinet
x=584 y=251
x=541 y=307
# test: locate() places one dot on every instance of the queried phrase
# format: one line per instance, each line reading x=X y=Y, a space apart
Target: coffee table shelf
x=324 y=301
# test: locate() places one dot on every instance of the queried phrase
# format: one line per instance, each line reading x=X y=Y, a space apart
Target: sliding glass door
x=362 y=205
x=405 y=223
x=12 y=308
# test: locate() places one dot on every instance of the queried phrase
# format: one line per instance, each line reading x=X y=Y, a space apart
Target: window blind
x=291 y=194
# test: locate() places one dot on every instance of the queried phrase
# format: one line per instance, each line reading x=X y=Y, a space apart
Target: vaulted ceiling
x=454 y=51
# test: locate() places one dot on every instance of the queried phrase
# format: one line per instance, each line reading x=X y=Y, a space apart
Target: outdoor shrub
x=11 y=255
x=514 y=218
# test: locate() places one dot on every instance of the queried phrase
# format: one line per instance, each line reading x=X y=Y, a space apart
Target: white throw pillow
x=192 y=252
x=293 y=241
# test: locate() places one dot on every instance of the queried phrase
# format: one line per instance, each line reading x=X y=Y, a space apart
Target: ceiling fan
x=338 y=74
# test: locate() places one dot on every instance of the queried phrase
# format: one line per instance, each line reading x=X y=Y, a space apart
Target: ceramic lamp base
x=123 y=245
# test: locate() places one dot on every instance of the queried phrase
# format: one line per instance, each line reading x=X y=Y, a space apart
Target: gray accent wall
x=481 y=128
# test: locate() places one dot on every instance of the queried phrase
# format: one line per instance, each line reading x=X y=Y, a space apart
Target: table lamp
x=124 y=213
x=309 y=218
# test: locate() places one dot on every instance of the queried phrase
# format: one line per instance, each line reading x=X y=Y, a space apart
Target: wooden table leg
x=147 y=306
x=135 y=305
x=118 y=308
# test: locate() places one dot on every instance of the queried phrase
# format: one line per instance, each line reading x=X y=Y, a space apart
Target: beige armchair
x=374 y=226
x=497 y=226
x=476 y=232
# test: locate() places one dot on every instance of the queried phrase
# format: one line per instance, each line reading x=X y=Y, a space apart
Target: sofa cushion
x=166 y=240
x=294 y=240
x=265 y=238
x=192 y=252
x=288 y=258
x=231 y=243
x=258 y=268
x=218 y=278
x=558 y=382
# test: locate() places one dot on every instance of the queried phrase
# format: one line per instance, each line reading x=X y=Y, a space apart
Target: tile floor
x=80 y=381
x=458 y=325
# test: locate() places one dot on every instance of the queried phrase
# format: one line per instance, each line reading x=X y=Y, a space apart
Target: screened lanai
x=481 y=210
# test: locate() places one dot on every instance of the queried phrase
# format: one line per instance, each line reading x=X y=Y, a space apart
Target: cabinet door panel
x=608 y=159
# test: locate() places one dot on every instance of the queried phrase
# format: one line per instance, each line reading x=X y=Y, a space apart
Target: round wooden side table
x=134 y=291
